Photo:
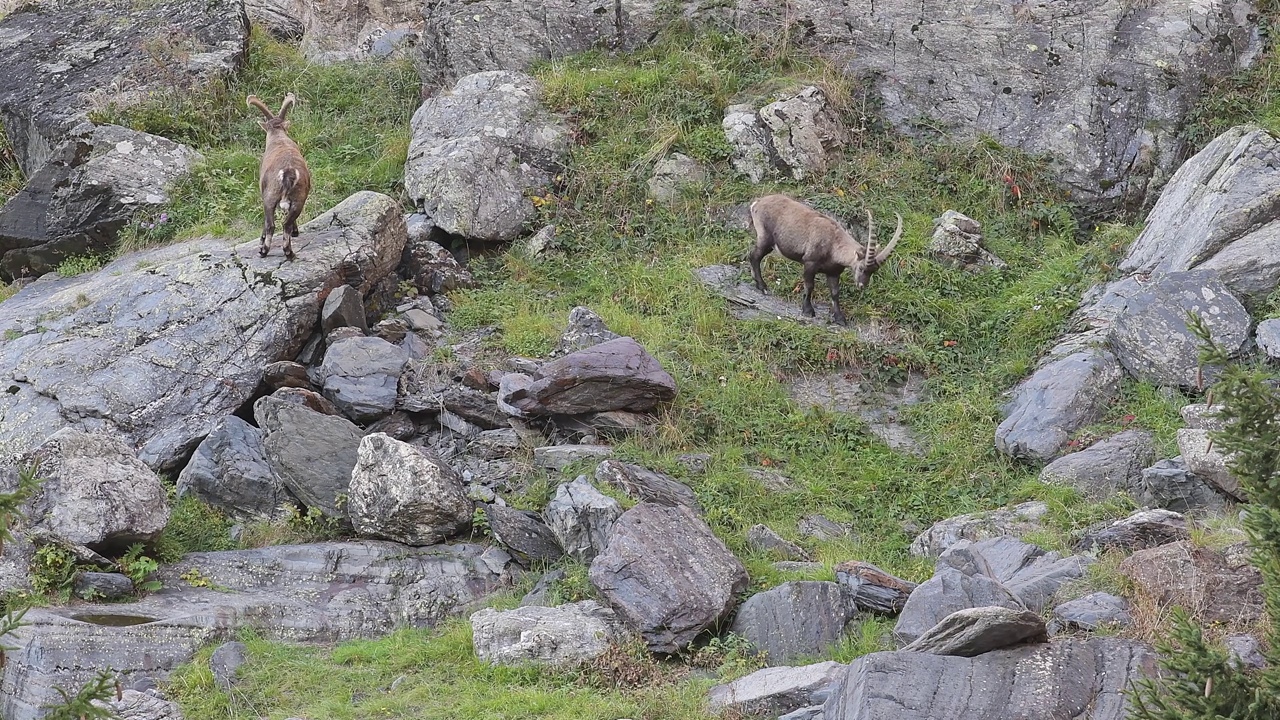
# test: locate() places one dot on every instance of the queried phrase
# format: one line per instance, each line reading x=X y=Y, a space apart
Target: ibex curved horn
x=253 y=101
x=871 y=239
x=287 y=105
x=883 y=255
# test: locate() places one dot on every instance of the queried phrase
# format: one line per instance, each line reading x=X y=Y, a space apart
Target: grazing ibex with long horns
x=807 y=236
x=283 y=176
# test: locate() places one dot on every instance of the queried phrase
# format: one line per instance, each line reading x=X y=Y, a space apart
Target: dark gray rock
x=229 y=470
x=1085 y=679
x=794 y=620
x=774 y=690
x=667 y=575
x=946 y=592
x=103 y=586
x=541 y=592
x=1213 y=586
x=95 y=491
x=325 y=592
x=1169 y=485
x=308 y=399
x=979 y=526
x=478 y=153
x=431 y=267
x=957 y=242
x=584 y=330
x=524 y=534
x=1090 y=612
x=1029 y=572
x=1151 y=337
x=559 y=457
x=566 y=635
x=1267 y=336
x=1141 y=530
x=476 y=407
x=1063 y=395
x=1102 y=469
x=1217 y=213
x=343 y=308
x=581 y=518
x=225 y=663
x=644 y=485
x=405 y=493
x=614 y=375
x=979 y=630
x=1245 y=651
x=822 y=528
x=763 y=539
x=873 y=589
x=361 y=376
x=192 y=326
x=398 y=425
x=313 y=454
x=674 y=173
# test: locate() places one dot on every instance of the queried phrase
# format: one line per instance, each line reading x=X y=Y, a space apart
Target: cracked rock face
x=159 y=345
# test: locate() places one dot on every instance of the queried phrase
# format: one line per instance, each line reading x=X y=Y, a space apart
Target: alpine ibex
x=807 y=236
x=283 y=177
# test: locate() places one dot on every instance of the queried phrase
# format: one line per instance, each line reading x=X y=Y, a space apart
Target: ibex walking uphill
x=807 y=236
x=283 y=176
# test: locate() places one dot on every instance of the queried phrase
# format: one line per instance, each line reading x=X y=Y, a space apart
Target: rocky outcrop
x=615 y=375
x=797 y=136
x=405 y=493
x=191 y=327
x=978 y=526
x=566 y=635
x=1102 y=469
x=229 y=471
x=667 y=575
x=794 y=620
x=479 y=151
x=313 y=454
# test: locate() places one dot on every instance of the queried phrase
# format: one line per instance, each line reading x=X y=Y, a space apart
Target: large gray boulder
x=565 y=635
x=615 y=375
x=229 y=471
x=479 y=151
x=1064 y=394
x=1082 y=679
x=1106 y=467
x=1169 y=484
x=405 y=493
x=312 y=453
x=667 y=575
x=948 y=591
x=324 y=592
x=94 y=183
x=1152 y=339
x=798 y=136
x=95 y=491
x=191 y=327
x=582 y=518
x=523 y=534
x=794 y=620
x=979 y=630
x=644 y=485
x=361 y=376
x=1027 y=570
x=1103 y=86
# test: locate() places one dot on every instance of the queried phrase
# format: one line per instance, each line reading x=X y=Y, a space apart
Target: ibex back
x=283 y=177
x=807 y=236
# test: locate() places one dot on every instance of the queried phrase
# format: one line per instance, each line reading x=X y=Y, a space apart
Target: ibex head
x=873 y=257
x=273 y=121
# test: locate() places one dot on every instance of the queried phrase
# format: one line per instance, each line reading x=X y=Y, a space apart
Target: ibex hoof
x=288 y=254
x=807 y=312
x=262 y=251
x=840 y=321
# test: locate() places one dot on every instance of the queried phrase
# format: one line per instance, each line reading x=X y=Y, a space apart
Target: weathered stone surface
x=1219 y=212
x=806 y=132
x=584 y=329
x=361 y=376
x=277 y=17
x=979 y=630
x=957 y=241
x=1151 y=337
x=285 y=373
x=1170 y=485
x=978 y=526
x=192 y=325
x=753 y=151
x=644 y=485
x=474 y=406
x=1101 y=86
x=946 y=592
x=1102 y=469
x=337 y=32
x=60 y=59
x=615 y=375
x=93 y=185
x=313 y=454
x=103 y=586
x=822 y=528
x=478 y=152
x=1267 y=336
x=764 y=539
x=667 y=575
x=432 y=268
x=566 y=635
x=405 y=493
x=523 y=534
x=132 y=704
x=1085 y=679
x=582 y=517
x=308 y=399
x=343 y=308
x=559 y=457
x=225 y=663
x=673 y=174
x=1029 y=572
x=1090 y=612
x=873 y=589
x=1205 y=461
x=1141 y=530
x=229 y=470
x=1209 y=584
x=1201 y=416
x=1245 y=651
x=324 y=592
x=398 y=425
x=1061 y=396
x=95 y=491
x=774 y=690
x=795 y=619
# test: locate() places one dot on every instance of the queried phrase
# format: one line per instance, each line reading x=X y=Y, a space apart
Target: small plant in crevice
x=139 y=568
x=53 y=571
x=89 y=703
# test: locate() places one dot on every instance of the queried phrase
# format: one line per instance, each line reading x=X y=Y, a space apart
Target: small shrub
x=138 y=568
x=53 y=571
x=80 y=264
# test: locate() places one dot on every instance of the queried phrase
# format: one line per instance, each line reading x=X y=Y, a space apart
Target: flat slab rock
x=618 y=374
x=1082 y=679
x=774 y=690
x=794 y=620
x=324 y=592
x=1065 y=393
x=979 y=630
x=878 y=407
x=563 y=635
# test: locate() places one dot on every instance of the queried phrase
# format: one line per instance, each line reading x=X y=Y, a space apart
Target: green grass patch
x=79 y=265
